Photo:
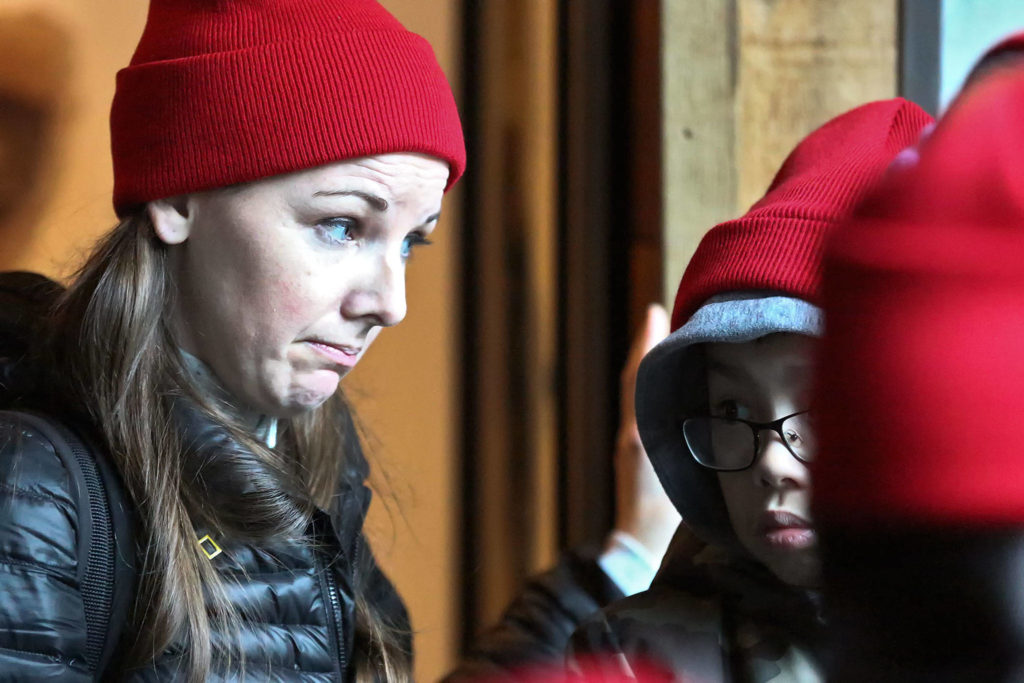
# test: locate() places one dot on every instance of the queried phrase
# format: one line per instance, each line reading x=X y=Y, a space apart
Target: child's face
x=768 y=503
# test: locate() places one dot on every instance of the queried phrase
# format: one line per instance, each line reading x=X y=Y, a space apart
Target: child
x=722 y=408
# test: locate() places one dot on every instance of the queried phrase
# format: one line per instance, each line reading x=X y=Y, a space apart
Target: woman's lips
x=340 y=355
x=786 y=530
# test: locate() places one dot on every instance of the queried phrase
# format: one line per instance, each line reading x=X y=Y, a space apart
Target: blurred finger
x=655 y=328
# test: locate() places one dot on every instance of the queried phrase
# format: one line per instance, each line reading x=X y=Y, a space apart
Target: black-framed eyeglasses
x=731 y=444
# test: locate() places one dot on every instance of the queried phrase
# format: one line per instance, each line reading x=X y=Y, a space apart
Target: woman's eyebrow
x=378 y=203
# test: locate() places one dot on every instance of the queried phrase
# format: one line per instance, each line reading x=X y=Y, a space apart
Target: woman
x=723 y=410
x=275 y=165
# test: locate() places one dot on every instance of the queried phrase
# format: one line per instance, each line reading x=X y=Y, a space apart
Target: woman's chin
x=303 y=393
x=310 y=390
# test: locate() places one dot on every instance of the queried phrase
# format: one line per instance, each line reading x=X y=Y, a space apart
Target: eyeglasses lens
x=799 y=434
x=719 y=443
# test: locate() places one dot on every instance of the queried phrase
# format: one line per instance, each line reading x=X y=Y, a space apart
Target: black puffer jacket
x=297 y=598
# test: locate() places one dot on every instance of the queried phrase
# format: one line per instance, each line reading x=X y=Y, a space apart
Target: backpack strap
x=106 y=549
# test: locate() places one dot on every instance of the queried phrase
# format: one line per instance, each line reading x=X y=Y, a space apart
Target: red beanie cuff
x=779 y=253
x=211 y=120
x=777 y=244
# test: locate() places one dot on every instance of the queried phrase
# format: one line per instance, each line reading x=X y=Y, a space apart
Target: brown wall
x=405 y=389
x=70 y=205
x=406 y=394
x=511 y=391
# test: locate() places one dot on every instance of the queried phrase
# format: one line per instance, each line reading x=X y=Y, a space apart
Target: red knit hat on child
x=228 y=91
x=921 y=384
x=777 y=244
x=758 y=275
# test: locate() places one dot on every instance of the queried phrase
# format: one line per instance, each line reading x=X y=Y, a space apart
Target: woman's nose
x=380 y=297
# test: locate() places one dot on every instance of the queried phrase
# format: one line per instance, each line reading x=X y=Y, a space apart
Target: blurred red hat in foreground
x=590 y=669
x=921 y=387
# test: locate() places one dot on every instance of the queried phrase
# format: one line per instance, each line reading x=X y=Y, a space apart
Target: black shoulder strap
x=106 y=550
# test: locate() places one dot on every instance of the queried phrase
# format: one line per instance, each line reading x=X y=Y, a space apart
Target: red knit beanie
x=777 y=244
x=228 y=91
x=921 y=386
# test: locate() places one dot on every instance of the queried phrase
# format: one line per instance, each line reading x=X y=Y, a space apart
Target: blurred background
x=605 y=138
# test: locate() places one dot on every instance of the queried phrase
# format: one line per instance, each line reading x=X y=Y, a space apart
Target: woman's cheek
x=291 y=314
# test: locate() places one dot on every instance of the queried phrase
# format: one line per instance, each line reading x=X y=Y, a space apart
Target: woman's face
x=284 y=282
x=769 y=503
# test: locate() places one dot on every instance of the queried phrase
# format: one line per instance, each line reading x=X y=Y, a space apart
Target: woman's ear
x=171 y=218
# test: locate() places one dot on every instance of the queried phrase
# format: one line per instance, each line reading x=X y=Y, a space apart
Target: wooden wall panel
x=69 y=204
x=406 y=390
x=563 y=251
x=801 y=62
x=511 y=278
x=698 y=63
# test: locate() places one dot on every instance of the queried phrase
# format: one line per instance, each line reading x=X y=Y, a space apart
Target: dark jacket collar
x=744 y=586
x=230 y=473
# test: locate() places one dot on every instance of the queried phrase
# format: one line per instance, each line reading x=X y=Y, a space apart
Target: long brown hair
x=111 y=347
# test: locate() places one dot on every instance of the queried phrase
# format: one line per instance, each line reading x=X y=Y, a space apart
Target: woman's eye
x=412 y=241
x=731 y=410
x=335 y=231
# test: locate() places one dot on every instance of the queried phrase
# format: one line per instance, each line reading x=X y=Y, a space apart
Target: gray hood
x=671 y=383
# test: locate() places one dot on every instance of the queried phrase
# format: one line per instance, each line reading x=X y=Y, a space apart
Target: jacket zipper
x=101 y=553
x=330 y=589
x=97 y=584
